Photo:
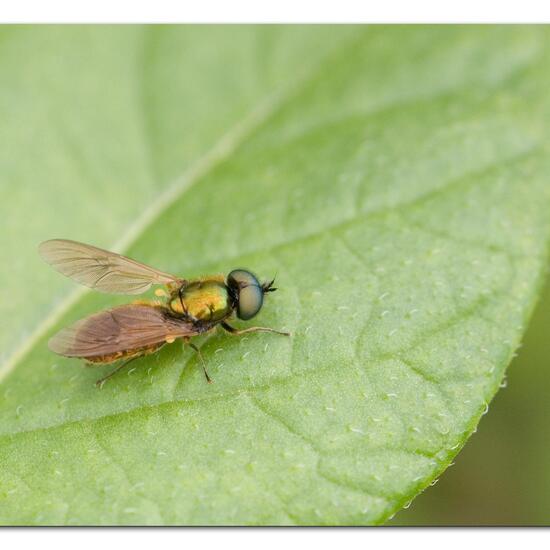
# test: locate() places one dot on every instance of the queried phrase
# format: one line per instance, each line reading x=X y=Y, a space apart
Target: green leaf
x=395 y=180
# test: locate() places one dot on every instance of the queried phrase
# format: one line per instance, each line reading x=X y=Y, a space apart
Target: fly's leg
x=201 y=358
x=237 y=332
x=101 y=381
x=184 y=309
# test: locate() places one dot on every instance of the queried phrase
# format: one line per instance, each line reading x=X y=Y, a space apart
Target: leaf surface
x=395 y=180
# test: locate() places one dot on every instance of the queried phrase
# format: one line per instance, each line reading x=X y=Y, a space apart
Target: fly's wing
x=120 y=329
x=100 y=269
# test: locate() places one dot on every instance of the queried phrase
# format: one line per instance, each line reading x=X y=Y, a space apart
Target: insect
x=126 y=332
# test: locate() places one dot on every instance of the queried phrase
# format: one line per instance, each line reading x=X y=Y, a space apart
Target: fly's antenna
x=268 y=287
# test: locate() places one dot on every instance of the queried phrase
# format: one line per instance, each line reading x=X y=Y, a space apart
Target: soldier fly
x=124 y=333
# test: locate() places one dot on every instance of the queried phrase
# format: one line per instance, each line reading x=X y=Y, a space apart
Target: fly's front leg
x=186 y=314
x=237 y=332
x=201 y=358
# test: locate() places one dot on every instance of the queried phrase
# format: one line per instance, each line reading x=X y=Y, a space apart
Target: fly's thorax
x=205 y=300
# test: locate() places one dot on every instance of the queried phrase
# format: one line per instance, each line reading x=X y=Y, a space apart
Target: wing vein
x=100 y=269
x=118 y=330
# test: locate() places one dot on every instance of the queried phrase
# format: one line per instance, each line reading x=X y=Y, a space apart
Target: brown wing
x=100 y=269
x=120 y=329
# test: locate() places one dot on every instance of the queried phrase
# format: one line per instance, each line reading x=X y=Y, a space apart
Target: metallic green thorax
x=204 y=300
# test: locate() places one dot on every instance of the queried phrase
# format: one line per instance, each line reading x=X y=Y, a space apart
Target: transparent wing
x=121 y=329
x=100 y=269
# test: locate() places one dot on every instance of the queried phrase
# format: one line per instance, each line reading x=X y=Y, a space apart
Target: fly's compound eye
x=248 y=292
x=239 y=278
x=251 y=299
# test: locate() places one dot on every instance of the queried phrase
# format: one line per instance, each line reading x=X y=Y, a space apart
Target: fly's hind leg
x=237 y=332
x=201 y=358
x=101 y=381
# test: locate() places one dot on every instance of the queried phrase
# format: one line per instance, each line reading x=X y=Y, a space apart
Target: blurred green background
x=501 y=477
